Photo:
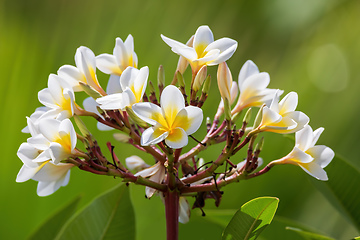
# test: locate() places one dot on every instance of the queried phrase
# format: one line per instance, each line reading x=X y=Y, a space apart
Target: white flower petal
x=304 y=138
x=177 y=138
x=103 y=127
x=107 y=64
x=39 y=141
x=91 y=105
x=187 y=52
x=322 y=155
x=27 y=153
x=172 y=43
x=288 y=103
x=315 y=170
x=58 y=152
x=149 y=113
x=203 y=37
x=153 y=135
x=270 y=117
x=298 y=155
x=147 y=172
x=189 y=119
x=47 y=99
x=72 y=76
x=184 y=210
x=25 y=173
x=49 y=128
x=171 y=101
x=249 y=68
x=113 y=85
x=224 y=56
x=316 y=135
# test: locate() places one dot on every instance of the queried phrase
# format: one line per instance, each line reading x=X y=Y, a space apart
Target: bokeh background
x=308 y=46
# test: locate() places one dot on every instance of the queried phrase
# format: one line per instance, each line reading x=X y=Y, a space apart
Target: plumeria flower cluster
x=163 y=123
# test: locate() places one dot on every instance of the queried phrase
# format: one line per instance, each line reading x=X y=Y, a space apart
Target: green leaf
x=109 y=216
x=51 y=227
x=342 y=188
x=309 y=235
x=251 y=219
x=356 y=238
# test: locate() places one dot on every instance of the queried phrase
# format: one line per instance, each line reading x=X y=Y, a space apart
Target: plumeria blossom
x=50 y=176
x=156 y=173
x=59 y=98
x=115 y=64
x=253 y=87
x=133 y=83
x=85 y=71
x=36 y=155
x=204 y=50
x=312 y=159
x=172 y=122
x=56 y=138
x=281 y=117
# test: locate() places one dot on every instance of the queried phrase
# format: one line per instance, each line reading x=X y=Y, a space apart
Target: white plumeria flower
x=312 y=159
x=85 y=71
x=37 y=165
x=135 y=163
x=133 y=81
x=253 y=87
x=57 y=138
x=281 y=117
x=59 y=98
x=156 y=173
x=49 y=175
x=173 y=122
x=115 y=64
x=205 y=51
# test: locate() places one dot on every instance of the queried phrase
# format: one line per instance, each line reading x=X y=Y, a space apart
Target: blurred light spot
x=328 y=68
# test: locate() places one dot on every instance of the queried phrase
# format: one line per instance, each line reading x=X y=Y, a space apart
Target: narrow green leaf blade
x=342 y=188
x=251 y=219
x=309 y=235
x=51 y=227
x=109 y=216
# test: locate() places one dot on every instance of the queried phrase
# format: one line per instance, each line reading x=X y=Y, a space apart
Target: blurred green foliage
x=311 y=47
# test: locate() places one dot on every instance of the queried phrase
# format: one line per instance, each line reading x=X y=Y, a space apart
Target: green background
x=311 y=47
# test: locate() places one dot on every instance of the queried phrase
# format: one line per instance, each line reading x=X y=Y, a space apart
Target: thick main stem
x=172 y=214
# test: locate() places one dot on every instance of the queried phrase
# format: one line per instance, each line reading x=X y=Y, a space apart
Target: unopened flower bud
x=199 y=78
x=151 y=88
x=206 y=86
x=259 y=145
x=258 y=117
x=135 y=118
x=123 y=138
x=180 y=79
x=224 y=80
x=82 y=127
x=161 y=77
x=90 y=90
x=247 y=116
